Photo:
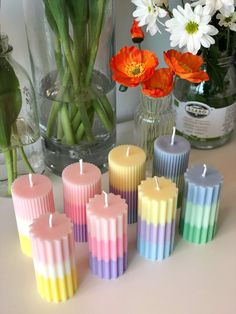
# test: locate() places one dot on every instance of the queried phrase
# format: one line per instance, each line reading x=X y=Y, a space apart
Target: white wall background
x=12 y=23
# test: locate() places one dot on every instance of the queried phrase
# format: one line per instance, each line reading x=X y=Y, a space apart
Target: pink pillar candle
x=54 y=257
x=32 y=196
x=107 y=235
x=81 y=181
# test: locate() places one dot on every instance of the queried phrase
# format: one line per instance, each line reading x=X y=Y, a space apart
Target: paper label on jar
x=197 y=119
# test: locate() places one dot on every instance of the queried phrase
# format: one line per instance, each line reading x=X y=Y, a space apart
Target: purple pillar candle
x=171 y=157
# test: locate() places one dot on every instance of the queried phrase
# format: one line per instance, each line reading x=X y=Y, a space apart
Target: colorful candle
x=127 y=165
x=107 y=235
x=54 y=257
x=32 y=196
x=157 y=203
x=200 y=208
x=81 y=181
x=171 y=157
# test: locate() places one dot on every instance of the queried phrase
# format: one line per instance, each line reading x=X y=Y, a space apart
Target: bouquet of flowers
x=133 y=66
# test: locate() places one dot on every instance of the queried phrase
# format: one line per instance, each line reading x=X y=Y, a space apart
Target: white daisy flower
x=229 y=21
x=226 y=7
x=190 y=28
x=148 y=13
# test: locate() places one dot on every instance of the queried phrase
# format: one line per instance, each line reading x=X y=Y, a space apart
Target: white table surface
x=195 y=279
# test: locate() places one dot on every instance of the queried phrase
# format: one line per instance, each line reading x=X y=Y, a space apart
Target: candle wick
x=31 y=180
x=50 y=221
x=157 y=183
x=204 y=171
x=81 y=166
x=106 y=199
x=128 y=151
x=173 y=136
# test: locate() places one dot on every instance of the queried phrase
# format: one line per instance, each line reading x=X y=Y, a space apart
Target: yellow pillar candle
x=157 y=203
x=127 y=166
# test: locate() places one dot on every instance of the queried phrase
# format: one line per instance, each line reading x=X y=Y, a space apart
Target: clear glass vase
x=70 y=44
x=153 y=118
x=205 y=112
x=20 y=147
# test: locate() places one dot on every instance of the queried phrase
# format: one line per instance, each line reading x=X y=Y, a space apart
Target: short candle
x=32 y=196
x=54 y=257
x=171 y=157
x=199 y=213
x=127 y=166
x=157 y=203
x=81 y=181
x=107 y=235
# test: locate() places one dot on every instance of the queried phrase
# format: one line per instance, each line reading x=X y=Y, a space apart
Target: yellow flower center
x=135 y=69
x=191 y=27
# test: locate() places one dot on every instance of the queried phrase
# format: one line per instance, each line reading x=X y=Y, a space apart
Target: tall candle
x=127 y=165
x=171 y=157
x=32 y=196
x=107 y=235
x=81 y=181
x=200 y=208
x=54 y=257
x=157 y=203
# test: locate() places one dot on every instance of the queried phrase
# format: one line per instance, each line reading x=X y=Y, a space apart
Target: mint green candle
x=200 y=207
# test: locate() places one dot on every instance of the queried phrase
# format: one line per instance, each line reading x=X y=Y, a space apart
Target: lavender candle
x=171 y=156
x=199 y=213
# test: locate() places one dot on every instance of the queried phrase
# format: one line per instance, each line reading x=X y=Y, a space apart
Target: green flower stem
x=56 y=105
x=108 y=108
x=14 y=162
x=65 y=121
x=60 y=132
x=108 y=125
x=25 y=160
x=97 y=12
x=9 y=167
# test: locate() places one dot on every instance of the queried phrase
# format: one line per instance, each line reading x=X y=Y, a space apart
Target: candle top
x=180 y=145
x=127 y=155
x=72 y=174
x=203 y=177
x=158 y=189
x=22 y=188
x=61 y=226
x=116 y=206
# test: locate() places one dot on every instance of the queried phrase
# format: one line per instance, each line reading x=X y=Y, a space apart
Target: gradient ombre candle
x=81 y=181
x=127 y=166
x=32 y=196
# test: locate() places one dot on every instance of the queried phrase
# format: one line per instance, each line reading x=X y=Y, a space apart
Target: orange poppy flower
x=136 y=33
x=132 y=66
x=160 y=84
x=186 y=65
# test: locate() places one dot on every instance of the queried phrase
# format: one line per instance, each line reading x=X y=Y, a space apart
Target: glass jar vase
x=205 y=112
x=20 y=149
x=70 y=44
x=153 y=118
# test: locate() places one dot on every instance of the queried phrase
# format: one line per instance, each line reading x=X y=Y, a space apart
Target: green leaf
x=10 y=101
x=50 y=18
x=78 y=10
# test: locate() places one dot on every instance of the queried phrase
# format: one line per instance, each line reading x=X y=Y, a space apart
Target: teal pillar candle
x=171 y=157
x=199 y=212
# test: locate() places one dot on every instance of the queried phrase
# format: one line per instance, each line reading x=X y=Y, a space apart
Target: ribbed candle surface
x=171 y=161
x=78 y=189
x=54 y=257
x=200 y=208
x=107 y=236
x=29 y=203
x=157 y=203
x=127 y=166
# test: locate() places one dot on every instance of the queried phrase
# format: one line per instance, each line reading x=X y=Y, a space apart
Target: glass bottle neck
x=155 y=105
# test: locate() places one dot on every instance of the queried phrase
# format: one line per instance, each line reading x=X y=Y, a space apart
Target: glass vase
x=20 y=147
x=153 y=118
x=70 y=44
x=205 y=112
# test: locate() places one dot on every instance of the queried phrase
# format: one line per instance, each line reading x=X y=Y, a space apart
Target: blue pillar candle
x=199 y=212
x=171 y=156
